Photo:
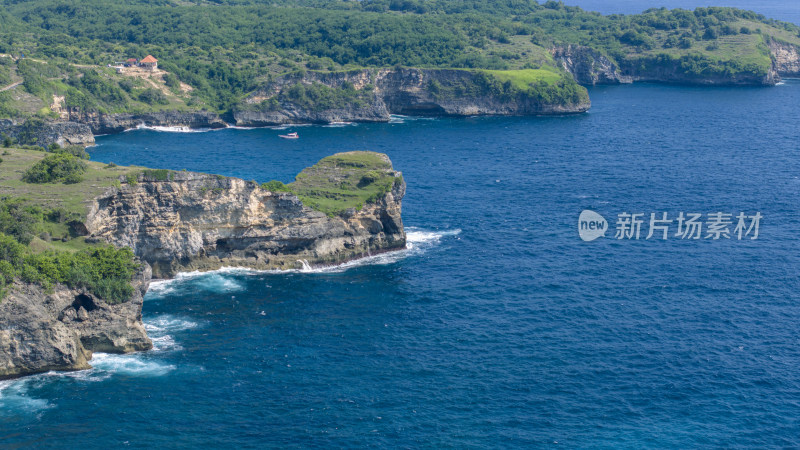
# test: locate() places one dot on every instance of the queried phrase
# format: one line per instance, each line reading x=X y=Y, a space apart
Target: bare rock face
x=588 y=66
x=785 y=58
x=41 y=331
x=195 y=221
x=35 y=132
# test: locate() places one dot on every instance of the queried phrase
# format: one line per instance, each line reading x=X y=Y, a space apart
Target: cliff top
x=345 y=180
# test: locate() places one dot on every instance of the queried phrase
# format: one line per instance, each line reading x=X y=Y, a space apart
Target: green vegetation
x=59 y=167
x=225 y=49
x=344 y=181
x=275 y=186
x=319 y=97
x=156 y=174
x=38 y=240
x=104 y=271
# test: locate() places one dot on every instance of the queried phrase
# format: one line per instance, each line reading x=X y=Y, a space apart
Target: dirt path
x=11 y=86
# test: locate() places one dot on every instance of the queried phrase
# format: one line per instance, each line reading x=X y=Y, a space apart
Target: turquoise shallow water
x=499 y=327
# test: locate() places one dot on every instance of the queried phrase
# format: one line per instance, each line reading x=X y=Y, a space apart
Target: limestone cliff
x=371 y=95
x=42 y=133
x=785 y=58
x=102 y=123
x=190 y=221
x=59 y=330
x=588 y=66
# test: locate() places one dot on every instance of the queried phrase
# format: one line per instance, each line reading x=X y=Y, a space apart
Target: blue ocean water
x=499 y=327
x=786 y=10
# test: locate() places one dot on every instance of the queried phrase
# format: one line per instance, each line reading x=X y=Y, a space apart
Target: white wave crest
x=132 y=364
x=220 y=281
x=142 y=126
x=159 y=330
x=417 y=242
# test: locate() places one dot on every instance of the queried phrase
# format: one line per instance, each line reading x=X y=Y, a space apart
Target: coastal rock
x=42 y=133
x=42 y=331
x=193 y=221
x=453 y=92
x=588 y=66
x=372 y=95
x=666 y=69
x=101 y=123
x=785 y=58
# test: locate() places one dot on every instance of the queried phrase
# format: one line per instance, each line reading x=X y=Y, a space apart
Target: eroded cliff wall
x=195 y=221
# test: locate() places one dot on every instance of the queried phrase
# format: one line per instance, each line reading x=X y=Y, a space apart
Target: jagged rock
x=40 y=332
x=588 y=66
x=201 y=222
x=785 y=58
x=38 y=132
x=391 y=91
x=101 y=123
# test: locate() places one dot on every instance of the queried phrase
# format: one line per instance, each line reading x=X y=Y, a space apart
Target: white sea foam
x=220 y=281
x=14 y=398
x=142 y=126
x=418 y=241
x=133 y=364
x=339 y=124
x=160 y=330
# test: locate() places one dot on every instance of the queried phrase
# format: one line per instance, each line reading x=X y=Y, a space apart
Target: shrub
x=74 y=150
x=103 y=271
x=275 y=186
x=156 y=175
x=56 y=167
x=153 y=96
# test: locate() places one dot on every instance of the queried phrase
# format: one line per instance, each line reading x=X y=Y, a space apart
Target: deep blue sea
x=786 y=10
x=499 y=327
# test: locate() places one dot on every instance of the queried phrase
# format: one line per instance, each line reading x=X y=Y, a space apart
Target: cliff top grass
x=523 y=78
x=75 y=198
x=345 y=180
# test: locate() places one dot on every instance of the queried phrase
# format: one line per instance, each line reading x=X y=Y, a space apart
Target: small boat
x=289 y=136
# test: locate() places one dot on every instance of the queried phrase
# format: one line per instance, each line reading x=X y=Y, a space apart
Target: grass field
x=523 y=78
x=75 y=198
x=345 y=180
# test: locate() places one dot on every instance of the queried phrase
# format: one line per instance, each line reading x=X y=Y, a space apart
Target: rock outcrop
x=101 y=123
x=785 y=58
x=42 y=133
x=371 y=95
x=588 y=66
x=42 y=331
x=191 y=221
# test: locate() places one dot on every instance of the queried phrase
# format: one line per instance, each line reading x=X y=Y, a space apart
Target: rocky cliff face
x=202 y=222
x=785 y=58
x=41 y=331
x=101 y=123
x=673 y=71
x=35 y=132
x=382 y=92
x=588 y=66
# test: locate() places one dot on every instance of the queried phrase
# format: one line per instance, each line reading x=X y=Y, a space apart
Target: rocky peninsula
x=344 y=207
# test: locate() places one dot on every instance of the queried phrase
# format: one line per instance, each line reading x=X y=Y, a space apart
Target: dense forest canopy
x=224 y=49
